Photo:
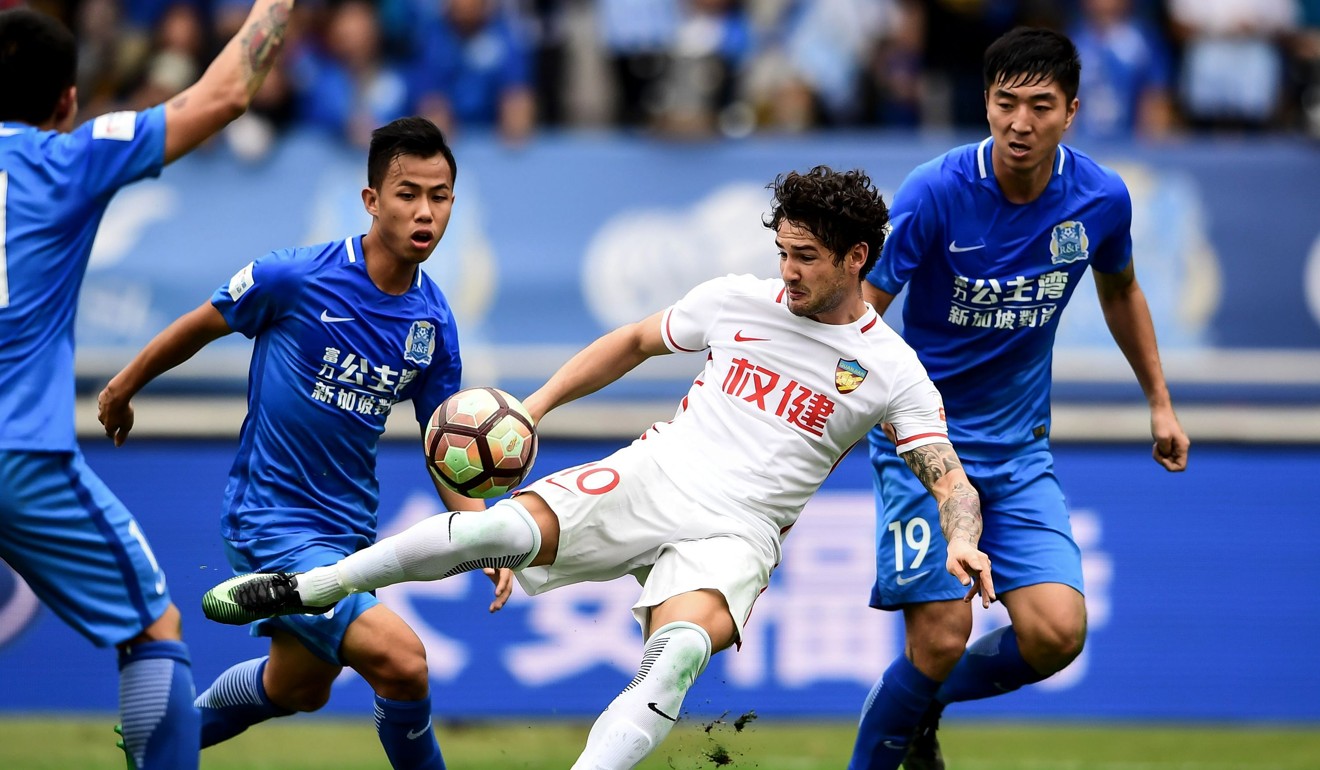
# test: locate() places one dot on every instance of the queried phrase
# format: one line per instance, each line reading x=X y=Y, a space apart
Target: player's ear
x=857 y=256
x=1072 y=113
x=371 y=201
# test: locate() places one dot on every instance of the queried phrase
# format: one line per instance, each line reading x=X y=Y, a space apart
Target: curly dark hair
x=840 y=208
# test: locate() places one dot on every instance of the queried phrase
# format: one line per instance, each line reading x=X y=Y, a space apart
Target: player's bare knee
x=302 y=694
x=936 y=651
x=1051 y=646
x=305 y=699
x=937 y=635
x=399 y=674
x=167 y=627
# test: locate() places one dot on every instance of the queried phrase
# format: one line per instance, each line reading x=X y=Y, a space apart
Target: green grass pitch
x=310 y=743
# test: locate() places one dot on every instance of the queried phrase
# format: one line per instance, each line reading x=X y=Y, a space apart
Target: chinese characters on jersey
x=1019 y=302
x=784 y=397
x=352 y=383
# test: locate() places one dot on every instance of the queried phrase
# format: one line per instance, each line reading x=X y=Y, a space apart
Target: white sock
x=434 y=548
x=643 y=714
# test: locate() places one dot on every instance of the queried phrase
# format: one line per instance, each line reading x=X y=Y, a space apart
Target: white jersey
x=782 y=398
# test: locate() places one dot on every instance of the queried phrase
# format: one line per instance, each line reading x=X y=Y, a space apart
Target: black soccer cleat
x=924 y=751
x=256 y=596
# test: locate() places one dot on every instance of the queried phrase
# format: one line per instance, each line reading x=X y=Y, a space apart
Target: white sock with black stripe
x=434 y=548
x=643 y=714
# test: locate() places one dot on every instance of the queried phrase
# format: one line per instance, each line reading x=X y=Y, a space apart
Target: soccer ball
x=480 y=442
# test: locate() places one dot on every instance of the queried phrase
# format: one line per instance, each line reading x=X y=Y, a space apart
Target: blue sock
x=992 y=665
x=160 y=724
x=890 y=716
x=405 y=730
x=235 y=701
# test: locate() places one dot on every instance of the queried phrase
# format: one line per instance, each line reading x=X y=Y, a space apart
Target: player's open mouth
x=1018 y=149
x=421 y=239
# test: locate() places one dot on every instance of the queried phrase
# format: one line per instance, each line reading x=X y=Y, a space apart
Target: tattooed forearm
x=960 y=515
x=261 y=41
x=931 y=462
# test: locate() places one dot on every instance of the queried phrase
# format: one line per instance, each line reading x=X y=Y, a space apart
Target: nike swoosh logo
x=738 y=337
x=955 y=248
x=904 y=581
x=160 y=585
x=652 y=707
x=415 y=734
x=330 y=319
x=894 y=744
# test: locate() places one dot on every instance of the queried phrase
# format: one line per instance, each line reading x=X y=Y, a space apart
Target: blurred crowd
x=696 y=68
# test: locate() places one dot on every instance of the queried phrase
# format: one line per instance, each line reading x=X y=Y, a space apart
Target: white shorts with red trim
x=624 y=516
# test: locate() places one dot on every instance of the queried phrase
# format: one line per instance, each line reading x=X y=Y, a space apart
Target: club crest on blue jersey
x=848 y=375
x=420 y=344
x=1068 y=242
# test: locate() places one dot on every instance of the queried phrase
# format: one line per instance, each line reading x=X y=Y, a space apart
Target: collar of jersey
x=983 y=158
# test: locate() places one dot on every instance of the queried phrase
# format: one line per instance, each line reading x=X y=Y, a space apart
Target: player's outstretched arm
x=597 y=365
x=177 y=343
x=225 y=90
x=1128 y=318
x=941 y=472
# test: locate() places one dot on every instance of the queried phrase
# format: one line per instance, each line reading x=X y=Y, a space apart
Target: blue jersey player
x=991 y=240
x=61 y=529
x=343 y=331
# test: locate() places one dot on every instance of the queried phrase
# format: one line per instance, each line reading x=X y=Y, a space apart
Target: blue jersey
x=332 y=356
x=54 y=188
x=987 y=280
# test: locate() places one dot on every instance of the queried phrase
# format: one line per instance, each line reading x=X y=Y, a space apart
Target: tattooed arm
x=940 y=471
x=225 y=90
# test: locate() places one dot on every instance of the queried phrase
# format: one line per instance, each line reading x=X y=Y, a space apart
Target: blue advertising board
x=553 y=243
x=1199 y=595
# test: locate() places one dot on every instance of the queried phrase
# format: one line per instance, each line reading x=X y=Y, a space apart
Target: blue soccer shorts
x=1026 y=534
x=78 y=548
x=299 y=552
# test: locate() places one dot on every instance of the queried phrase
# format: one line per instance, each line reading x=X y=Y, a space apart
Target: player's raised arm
x=597 y=365
x=225 y=90
x=177 y=343
x=941 y=472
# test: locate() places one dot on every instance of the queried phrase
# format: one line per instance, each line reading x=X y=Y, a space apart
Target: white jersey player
x=797 y=371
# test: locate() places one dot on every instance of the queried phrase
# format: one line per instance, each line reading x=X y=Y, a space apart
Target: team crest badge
x=1068 y=242
x=848 y=375
x=421 y=343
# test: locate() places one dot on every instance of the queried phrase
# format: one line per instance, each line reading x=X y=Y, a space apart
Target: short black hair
x=38 y=63
x=840 y=208
x=1030 y=56
x=405 y=136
